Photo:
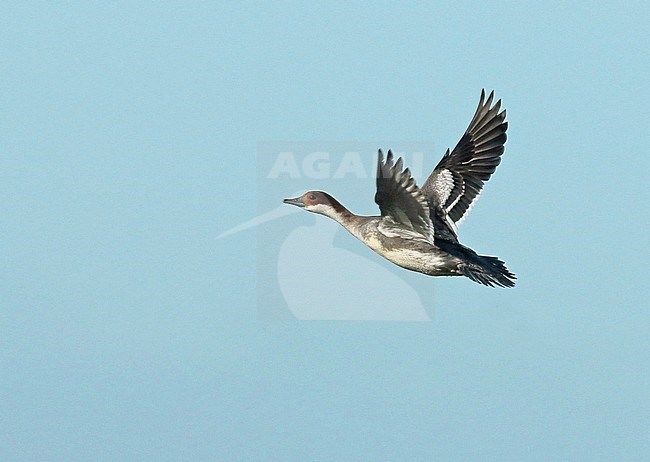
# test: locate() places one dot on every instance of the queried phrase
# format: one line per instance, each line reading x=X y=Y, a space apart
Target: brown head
x=319 y=202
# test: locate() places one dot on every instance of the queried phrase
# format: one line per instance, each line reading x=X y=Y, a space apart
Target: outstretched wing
x=456 y=183
x=399 y=198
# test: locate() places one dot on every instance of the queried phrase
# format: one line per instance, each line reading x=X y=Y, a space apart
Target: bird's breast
x=428 y=260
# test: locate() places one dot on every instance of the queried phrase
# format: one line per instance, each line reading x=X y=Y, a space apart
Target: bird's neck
x=354 y=224
x=339 y=213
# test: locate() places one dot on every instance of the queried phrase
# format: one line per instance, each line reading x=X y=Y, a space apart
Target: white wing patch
x=444 y=184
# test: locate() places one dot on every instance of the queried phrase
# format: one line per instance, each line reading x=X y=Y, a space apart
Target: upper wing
x=455 y=184
x=399 y=198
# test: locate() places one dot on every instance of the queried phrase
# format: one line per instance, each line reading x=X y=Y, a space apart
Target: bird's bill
x=297 y=201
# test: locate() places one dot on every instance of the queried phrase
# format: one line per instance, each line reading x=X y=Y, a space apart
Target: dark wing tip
x=380 y=160
x=488 y=103
x=389 y=161
x=399 y=165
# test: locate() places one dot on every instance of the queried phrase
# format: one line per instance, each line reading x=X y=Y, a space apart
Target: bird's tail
x=489 y=271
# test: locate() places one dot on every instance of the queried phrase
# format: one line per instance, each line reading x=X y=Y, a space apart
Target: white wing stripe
x=469 y=209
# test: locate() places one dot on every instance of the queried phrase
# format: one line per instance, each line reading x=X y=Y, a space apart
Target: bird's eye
x=312 y=197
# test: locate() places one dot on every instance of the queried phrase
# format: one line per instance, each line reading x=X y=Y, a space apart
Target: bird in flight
x=417 y=228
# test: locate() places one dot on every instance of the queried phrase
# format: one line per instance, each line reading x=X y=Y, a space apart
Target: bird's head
x=318 y=202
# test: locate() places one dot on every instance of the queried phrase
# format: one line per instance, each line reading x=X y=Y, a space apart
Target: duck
x=417 y=228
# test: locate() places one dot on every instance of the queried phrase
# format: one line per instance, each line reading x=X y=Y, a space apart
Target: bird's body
x=417 y=227
x=406 y=250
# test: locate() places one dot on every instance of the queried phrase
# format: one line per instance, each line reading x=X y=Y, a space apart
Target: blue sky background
x=128 y=134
